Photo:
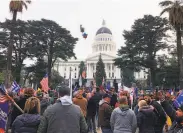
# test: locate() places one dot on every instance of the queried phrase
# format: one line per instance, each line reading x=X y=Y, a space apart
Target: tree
x=36 y=72
x=56 y=79
x=168 y=74
x=175 y=11
x=82 y=69
x=100 y=74
x=54 y=41
x=1 y=77
x=143 y=42
x=22 y=48
x=15 y=7
x=128 y=77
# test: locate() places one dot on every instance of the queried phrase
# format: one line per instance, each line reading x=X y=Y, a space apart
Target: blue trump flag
x=108 y=87
x=179 y=101
x=3 y=113
x=136 y=92
x=15 y=87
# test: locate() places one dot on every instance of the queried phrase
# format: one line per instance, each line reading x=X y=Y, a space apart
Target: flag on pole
x=15 y=87
x=179 y=101
x=4 y=108
x=84 y=74
x=80 y=81
x=108 y=87
x=44 y=83
x=103 y=81
x=3 y=99
x=3 y=89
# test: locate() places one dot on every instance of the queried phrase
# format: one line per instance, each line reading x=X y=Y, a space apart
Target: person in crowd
x=30 y=120
x=45 y=102
x=91 y=112
x=63 y=116
x=176 y=116
x=28 y=92
x=146 y=118
x=97 y=97
x=136 y=108
x=113 y=98
x=123 y=119
x=159 y=112
x=124 y=93
x=80 y=101
x=105 y=111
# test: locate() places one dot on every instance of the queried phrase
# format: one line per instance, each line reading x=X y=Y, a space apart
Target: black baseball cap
x=106 y=95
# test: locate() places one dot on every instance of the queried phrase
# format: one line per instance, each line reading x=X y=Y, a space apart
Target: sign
x=3 y=116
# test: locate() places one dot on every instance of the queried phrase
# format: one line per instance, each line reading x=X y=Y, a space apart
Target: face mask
x=179 y=119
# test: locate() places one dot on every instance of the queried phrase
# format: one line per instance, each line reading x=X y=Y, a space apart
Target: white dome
x=103 y=42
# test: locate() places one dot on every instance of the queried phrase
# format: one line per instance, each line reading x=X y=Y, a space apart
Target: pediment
x=104 y=57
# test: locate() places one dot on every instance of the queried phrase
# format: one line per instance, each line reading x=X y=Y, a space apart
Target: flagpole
x=70 y=82
x=14 y=103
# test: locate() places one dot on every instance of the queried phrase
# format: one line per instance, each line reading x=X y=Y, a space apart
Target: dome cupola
x=104 y=30
x=103 y=42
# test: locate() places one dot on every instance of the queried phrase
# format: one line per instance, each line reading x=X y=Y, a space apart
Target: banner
x=3 y=116
x=179 y=101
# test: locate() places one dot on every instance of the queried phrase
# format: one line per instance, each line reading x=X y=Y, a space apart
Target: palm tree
x=175 y=11
x=15 y=6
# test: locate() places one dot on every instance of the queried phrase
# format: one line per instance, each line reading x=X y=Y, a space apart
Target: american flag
x=15 y=87
x=44 y=83
x=84 y=74
x=3 y=99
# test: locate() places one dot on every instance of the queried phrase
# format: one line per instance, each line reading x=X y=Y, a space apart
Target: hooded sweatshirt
x=146 y=119
x=123 y=120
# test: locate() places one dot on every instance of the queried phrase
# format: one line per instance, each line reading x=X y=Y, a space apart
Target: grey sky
x=119 y=15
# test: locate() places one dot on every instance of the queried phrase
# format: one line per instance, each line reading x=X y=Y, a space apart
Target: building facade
x=103 y=44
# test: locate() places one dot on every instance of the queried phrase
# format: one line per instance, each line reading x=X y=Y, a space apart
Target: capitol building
x=103 y=44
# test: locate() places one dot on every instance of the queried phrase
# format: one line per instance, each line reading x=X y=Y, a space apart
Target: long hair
x=32 y=106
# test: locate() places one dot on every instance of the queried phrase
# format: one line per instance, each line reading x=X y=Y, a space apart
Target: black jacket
x=91 y=107
x=146 y=120
x=44 y=104
x=26 y=123
x=160 y=116
x=114 y=100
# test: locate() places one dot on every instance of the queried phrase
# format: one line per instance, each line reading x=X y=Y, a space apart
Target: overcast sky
x=118 y=14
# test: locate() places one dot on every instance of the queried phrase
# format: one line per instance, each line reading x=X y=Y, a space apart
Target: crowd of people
x=87 y=111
